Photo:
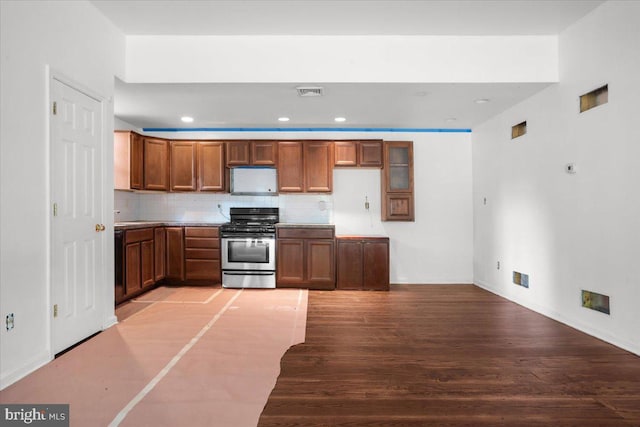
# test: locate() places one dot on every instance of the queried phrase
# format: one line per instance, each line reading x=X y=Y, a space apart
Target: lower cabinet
x=136 y=254
x=305 y=258
x=362 y=263
x=175 y=254
x=202 y=254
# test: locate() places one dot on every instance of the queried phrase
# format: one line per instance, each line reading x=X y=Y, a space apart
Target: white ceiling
x=364 y=105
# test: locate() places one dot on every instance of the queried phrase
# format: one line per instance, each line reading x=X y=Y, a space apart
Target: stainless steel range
x=248 y=246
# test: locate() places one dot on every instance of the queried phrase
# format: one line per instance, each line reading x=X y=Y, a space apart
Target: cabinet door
x=264 y=153
x=320 y=263
x=237 y=153
x=375 y=255
x=290 y=261
x=398 y=207
x=122 y=160
x=175 y=253
x=211 y=166
x=318 y=166
x=183 y=165
x=397 y=182
x=146 y=263
x=160 y=248
x=136 y=162
x=349 y=262
x=156 y=164
x=370 y=154
x=290 y=167
x=345 y=153
x=132 y=268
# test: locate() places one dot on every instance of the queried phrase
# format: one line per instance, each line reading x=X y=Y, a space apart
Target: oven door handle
x=249 y=273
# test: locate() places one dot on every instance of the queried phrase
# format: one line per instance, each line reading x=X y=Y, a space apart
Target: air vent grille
x=310 y=91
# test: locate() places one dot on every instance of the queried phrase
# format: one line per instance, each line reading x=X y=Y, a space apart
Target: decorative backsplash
x=307 y=208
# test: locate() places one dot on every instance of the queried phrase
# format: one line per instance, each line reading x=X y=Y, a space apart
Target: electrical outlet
x=10 y=321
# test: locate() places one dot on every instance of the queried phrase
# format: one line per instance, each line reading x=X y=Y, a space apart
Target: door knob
x=100 y=227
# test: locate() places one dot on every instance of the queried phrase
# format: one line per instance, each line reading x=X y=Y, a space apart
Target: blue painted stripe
x=408 y=130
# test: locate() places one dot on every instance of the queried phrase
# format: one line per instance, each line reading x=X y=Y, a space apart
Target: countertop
x=298 y=225
x=132 y=225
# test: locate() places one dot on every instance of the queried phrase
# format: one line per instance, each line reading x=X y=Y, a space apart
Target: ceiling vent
x=310 y=90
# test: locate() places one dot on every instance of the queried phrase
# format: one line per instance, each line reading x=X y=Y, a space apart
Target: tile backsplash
x=303 y=208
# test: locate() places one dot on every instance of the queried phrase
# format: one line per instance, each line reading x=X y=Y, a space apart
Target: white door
x=77 y=231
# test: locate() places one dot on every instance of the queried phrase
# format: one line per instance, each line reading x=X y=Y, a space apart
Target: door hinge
x=55 y=310
x=55 y=209
x=55 y=108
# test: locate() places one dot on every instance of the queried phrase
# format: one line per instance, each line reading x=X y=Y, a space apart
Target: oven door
x=246 y=252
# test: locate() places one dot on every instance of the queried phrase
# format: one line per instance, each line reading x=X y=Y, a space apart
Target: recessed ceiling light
x=481 y=101
x=340 y=119
x=186 y=119
x=450 y=120
x=283 y=119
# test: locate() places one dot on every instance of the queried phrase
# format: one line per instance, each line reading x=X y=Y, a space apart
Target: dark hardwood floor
x=449 y=356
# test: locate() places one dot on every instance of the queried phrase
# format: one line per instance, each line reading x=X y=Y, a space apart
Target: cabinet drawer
x=201 y=231
x=305 y=233
x=202 y=242
x=202 y=253
x=133 y=236
x=201 y=269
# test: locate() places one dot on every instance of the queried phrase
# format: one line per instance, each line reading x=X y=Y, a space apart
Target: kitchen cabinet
x=305 y=166
x=156 y=164
x=211 y=173
x=202 y=255
x=127 y=160
x=397 y=196
x=362 y=263
x=174 y=267
x=318 y=166
x=183 y=155
x=138 y=259
x=160 y=250
x=290 y=167
x=305 y=257
x=252 y=153
x=363 y=153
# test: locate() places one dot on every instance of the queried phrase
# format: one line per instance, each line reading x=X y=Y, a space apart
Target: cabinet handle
x=100 y=227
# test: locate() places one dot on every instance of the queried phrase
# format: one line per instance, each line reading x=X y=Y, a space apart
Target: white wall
x=569 y=232
x=436 y=248
x=402 y=59
x=74 y=39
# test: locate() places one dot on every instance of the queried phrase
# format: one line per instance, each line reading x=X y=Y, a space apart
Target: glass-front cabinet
x=397 y=182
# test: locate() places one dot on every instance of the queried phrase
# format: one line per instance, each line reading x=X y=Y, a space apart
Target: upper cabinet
x=252 y=153
x=127 y=160
x=397 y=182
x=211 y=166
x=197 y=166
x=156 y=164
x=358 y=153
x=318 y=166
x=183 y=165
x=305 y=167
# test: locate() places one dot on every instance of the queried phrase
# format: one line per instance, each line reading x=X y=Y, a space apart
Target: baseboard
x=37 y=362
x=552 y=314
x=109 y=322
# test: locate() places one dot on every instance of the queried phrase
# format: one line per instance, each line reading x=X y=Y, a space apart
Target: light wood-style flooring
x=452 y=355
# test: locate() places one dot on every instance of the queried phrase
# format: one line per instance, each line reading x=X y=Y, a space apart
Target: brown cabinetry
x=246 y=153
x=174 y=267
x=202 y=254
x=305 y=257
x=305 y=166
x=183 y=165
x=211 y=166
x=138 y=261
x=358 y=154
x=362 y=263
x=397 y=182
x=127 y=160
x=160 y=250
x=156 y=164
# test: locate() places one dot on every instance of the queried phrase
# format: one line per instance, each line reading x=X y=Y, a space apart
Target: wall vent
x=521 y=279
x=518 y=130
x=310 y=91
x=594 y=98
x=595 y=301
